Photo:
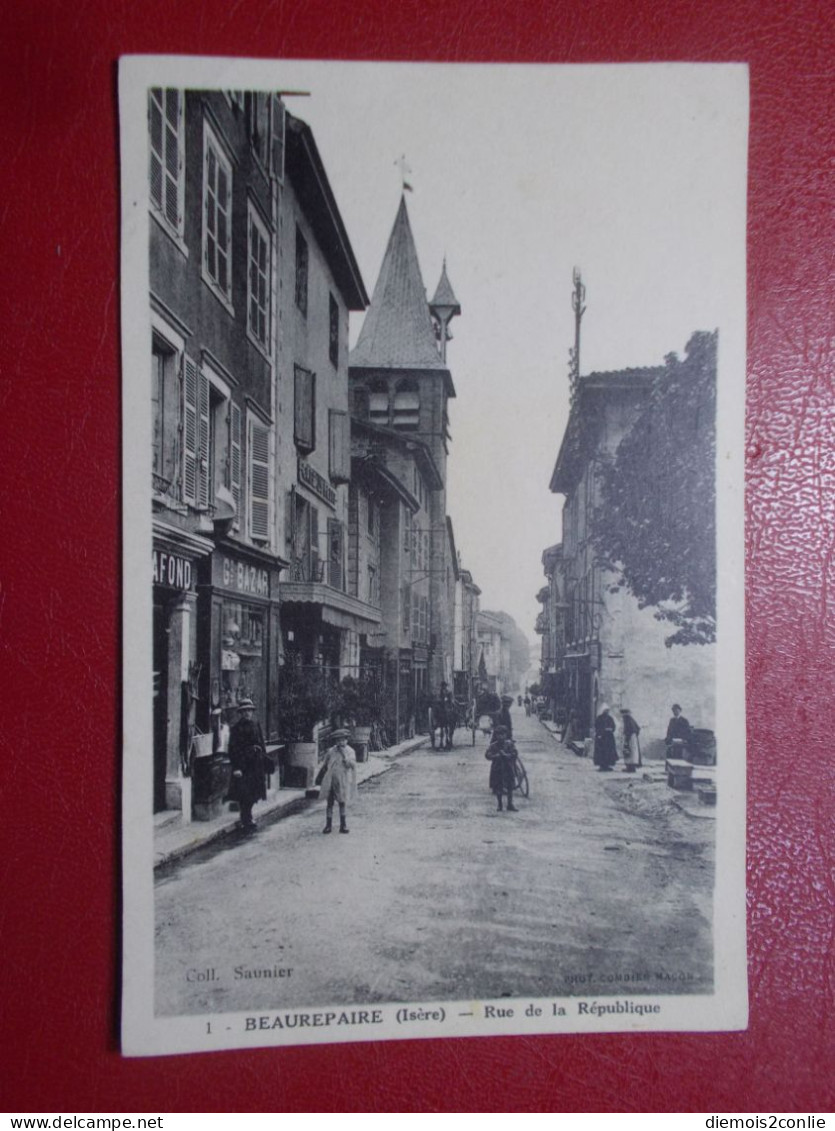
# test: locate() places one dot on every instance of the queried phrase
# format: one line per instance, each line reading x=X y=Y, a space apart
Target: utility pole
x=578 y=300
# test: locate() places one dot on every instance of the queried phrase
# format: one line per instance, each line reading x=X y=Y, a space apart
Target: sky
x=634 y=174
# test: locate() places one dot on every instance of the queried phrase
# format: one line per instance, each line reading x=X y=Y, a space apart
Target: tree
x=655 y=527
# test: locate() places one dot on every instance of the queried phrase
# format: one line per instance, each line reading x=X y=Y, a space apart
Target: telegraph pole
x=578 y=300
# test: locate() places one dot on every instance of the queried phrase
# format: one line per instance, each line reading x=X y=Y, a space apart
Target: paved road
x=596 y=886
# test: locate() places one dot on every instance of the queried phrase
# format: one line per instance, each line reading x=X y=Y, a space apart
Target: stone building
x=215 y=167
x=323 y=617
x=400 y=381
x=615 y=651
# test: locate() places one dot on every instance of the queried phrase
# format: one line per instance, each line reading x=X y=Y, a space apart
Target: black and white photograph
x=433 y=396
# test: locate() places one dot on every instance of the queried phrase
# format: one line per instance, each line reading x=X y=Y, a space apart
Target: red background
x=59 y=603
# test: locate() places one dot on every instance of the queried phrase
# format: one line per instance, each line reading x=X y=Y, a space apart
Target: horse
x=443 y=718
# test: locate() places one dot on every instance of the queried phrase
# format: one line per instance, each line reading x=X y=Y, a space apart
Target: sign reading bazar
x=244 y=578
x=316 y=483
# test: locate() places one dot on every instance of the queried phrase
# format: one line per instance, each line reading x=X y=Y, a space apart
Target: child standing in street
x=500 y=753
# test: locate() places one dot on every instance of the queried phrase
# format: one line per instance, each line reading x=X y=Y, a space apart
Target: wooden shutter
x=407 y=610
x=305 y=409
x=190 y=429
x=155 y=130
x=336 y=552
x=278 y=139
x=235 y=458
x=290 y=523
x=173 y=157
x=339 y=455
x=314 y=544
x=202 y=439
x=259 y=481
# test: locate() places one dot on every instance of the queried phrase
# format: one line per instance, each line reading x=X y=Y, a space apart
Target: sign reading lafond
x=245 y=578
x=171 y=570
x=316 y=483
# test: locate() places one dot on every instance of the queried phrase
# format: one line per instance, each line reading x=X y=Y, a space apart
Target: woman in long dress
x=605 y=750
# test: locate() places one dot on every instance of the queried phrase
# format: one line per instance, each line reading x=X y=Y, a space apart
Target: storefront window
x=242 y=654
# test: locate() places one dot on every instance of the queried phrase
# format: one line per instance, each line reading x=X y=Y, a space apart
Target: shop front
x=176 y=560
x=240 y=637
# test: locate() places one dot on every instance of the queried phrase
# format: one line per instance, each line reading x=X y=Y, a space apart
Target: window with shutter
x=315 y=572
x=336 y=571
x=340 y=446
x=278 y=139
x=407 y=530
x=305 y=409
x=217 y=216
x=234 y=481
x=202 y=439
x=258 y=305
x=167 y=165
x=407 y=611
x=190 y=429
x=333 y=331
x=259 y=482
x=301 y=271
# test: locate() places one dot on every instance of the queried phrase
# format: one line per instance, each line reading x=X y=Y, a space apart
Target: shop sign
x=171 y=570
x=245 y=578
x=316 y=483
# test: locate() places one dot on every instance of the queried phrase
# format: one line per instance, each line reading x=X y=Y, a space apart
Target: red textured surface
x=59 y=408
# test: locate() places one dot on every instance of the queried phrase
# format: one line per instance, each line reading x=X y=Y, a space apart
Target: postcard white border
x=145 y=1034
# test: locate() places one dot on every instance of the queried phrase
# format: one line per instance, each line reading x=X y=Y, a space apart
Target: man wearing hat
x=500 y=754
x=679 y=733
x=247 y=752
x=503 y=718
x=337 y=778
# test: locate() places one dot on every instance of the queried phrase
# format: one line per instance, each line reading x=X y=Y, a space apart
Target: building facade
x=614 y=650
x=214 y=173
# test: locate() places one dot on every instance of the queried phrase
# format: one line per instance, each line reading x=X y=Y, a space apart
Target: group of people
x=678 y=739
x=250 y=765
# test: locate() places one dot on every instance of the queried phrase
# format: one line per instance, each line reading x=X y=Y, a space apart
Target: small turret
x=443 y=308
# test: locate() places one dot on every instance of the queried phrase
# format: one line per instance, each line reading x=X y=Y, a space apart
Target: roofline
x=325 y=215
x=373 y=467
x=411 y=443
x=597 y=383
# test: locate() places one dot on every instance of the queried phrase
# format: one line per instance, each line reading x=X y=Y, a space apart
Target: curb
x=283 y=807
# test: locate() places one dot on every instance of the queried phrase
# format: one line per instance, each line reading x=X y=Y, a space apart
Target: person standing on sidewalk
x=247 y=753
x=500 y=754
x=338 y=779
x=605 y=750
x=631 y=742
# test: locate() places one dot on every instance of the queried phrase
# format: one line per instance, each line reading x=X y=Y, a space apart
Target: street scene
x=435 y=895
x=433 y=630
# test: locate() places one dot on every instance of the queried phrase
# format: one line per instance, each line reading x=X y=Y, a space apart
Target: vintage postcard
x=434 y=706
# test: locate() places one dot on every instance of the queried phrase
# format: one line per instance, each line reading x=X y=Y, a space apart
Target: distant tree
x=655 y=526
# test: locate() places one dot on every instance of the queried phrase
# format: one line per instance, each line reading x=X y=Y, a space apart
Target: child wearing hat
x=338 y=779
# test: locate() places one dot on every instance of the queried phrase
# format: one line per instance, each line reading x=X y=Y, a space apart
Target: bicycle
x=520 y=777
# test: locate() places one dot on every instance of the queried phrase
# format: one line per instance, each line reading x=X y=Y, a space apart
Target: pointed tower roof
x=397 y=332
x=444 y=294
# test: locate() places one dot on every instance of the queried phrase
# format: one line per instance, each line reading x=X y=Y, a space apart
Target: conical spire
x=444 y=295
x=397 y=332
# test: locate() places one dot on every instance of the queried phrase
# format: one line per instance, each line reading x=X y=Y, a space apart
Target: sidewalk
x=174 y=839
x=654 y=772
